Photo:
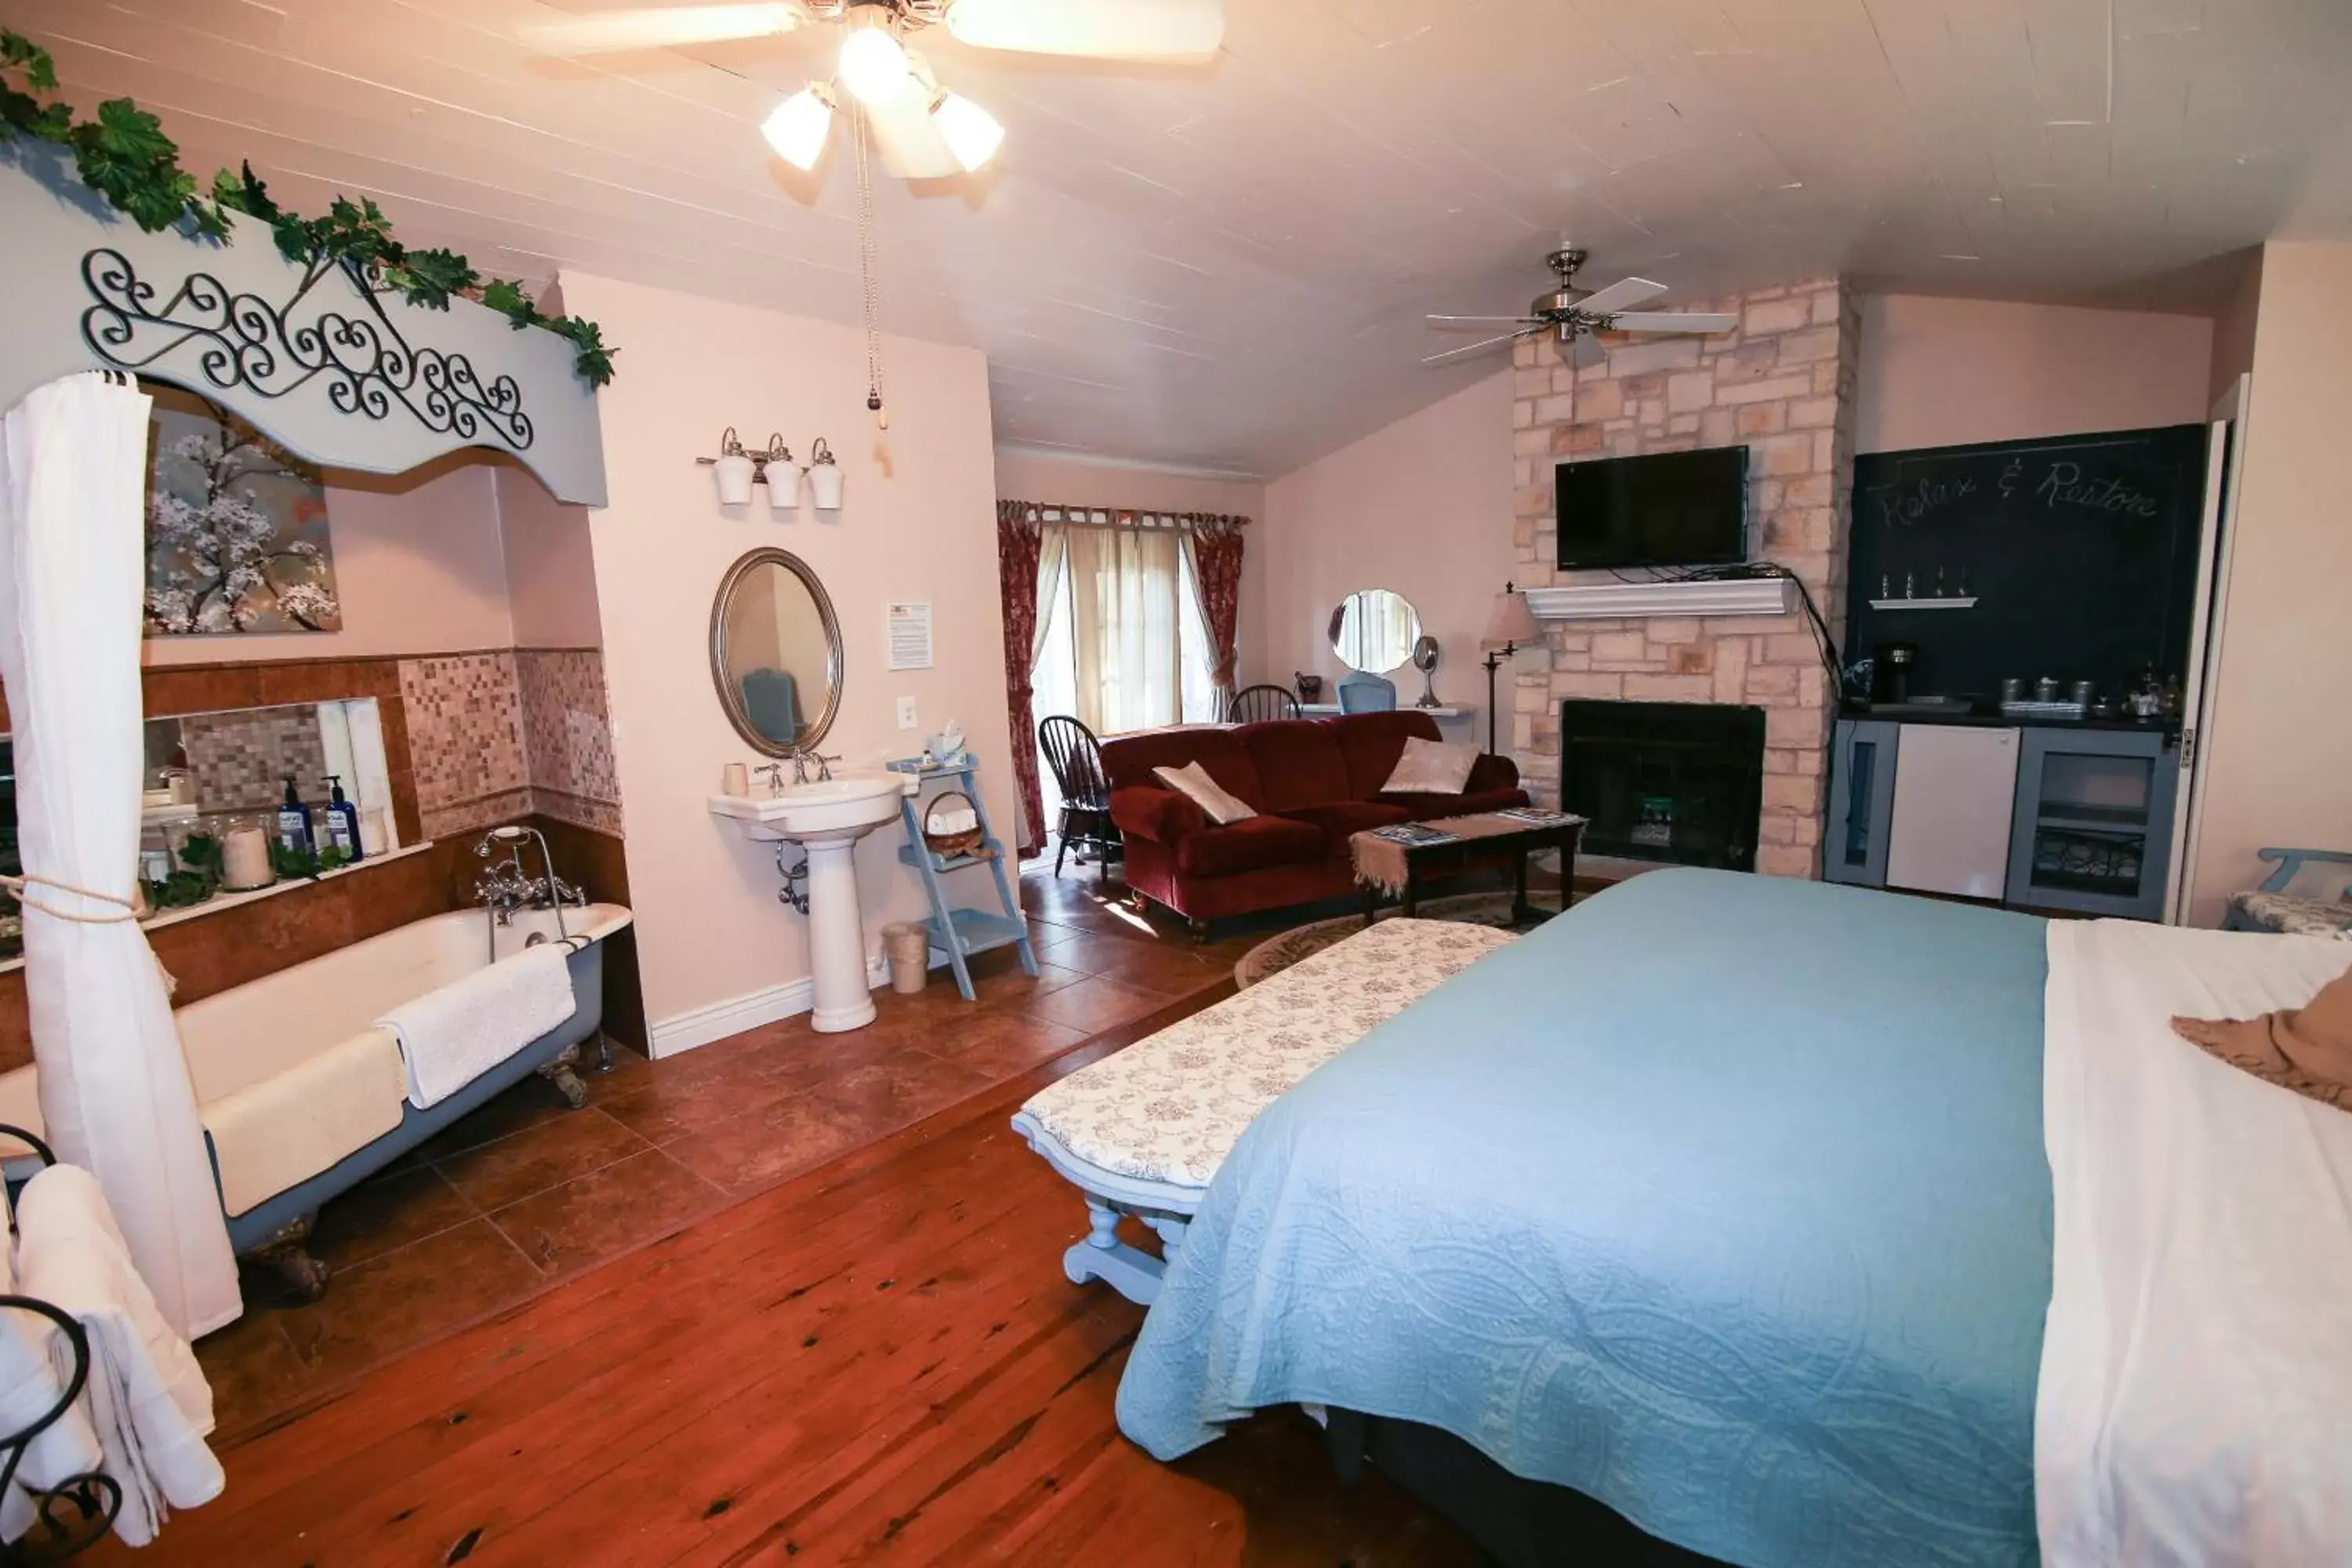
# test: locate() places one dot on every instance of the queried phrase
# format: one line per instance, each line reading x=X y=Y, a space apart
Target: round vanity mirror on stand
x=775 y=653
x=1373 y=630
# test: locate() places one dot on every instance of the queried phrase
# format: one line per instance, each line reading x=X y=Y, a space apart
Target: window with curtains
x=1125 y=619
x=1125 y=645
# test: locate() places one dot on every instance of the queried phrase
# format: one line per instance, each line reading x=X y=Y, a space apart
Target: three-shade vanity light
x=737 y=468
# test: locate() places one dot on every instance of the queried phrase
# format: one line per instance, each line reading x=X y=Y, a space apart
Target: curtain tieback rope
x=18 y=888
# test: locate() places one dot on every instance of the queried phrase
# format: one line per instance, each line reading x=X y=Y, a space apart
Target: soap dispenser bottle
x=293 y=821
x=342 y=819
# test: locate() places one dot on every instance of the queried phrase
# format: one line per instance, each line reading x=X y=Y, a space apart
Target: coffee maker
x=1892 y=668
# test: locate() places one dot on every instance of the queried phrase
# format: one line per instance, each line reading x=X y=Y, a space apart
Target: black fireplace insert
x=1678 y=781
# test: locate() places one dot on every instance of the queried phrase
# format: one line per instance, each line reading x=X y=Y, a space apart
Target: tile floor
x=523 y=1190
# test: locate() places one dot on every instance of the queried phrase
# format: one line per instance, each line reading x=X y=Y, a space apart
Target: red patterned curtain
x=1020 y=538
x=1217 y=568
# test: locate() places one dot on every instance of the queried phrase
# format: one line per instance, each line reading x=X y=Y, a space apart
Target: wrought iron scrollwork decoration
x=243 y=339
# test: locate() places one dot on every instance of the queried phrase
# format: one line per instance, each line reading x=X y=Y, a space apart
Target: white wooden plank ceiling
x=1225 y=266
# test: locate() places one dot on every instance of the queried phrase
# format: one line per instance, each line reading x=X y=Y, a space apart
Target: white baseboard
x=715 y=1021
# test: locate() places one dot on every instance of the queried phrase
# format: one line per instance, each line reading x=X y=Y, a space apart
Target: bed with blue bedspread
x=1720 y=1199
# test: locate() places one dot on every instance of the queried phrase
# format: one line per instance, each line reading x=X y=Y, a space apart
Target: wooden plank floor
x=878 y=1362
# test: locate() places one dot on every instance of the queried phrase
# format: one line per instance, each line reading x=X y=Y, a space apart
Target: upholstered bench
x=1143 y=1133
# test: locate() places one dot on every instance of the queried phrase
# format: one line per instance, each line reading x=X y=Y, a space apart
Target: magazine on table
x=1414 y=834
x=1537 y=817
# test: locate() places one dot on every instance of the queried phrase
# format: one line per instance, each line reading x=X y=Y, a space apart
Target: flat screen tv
x=1669 y=508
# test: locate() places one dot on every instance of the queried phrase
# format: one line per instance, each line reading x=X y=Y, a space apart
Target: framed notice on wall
x=910 y=635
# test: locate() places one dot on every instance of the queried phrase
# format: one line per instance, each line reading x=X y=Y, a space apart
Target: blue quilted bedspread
x=1721 y=1199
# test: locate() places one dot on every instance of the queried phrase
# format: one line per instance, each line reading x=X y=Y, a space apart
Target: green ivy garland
x=124 y=156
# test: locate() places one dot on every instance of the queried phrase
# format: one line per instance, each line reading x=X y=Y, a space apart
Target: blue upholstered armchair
x=2326 y=911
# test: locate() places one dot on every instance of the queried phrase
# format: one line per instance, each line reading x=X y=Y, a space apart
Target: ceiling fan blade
x=1177 y=30
x=908 y=138
x=1672 y=321
x=1467 y=349
x=1450 y=322
x=662 y=27
x=1621 y=295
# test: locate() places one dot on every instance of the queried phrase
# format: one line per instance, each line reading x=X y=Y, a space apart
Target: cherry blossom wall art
x=236 y=529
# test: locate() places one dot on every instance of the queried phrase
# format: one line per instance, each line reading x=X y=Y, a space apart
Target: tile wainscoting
x=509 y=731
x=1782 y=383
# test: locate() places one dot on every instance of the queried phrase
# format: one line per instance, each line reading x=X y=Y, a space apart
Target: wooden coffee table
x=1426 y=863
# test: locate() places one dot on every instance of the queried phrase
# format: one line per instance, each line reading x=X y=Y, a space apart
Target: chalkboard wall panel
x=2081 y=552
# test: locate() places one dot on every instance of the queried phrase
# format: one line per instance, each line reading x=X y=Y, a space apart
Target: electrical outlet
x=906 y=713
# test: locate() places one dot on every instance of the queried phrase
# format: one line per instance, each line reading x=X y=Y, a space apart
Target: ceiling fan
x=1575 y=314
x=922 y=130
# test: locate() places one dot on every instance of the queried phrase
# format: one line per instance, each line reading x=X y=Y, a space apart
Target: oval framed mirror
x=1374 y=629
x=775 y=653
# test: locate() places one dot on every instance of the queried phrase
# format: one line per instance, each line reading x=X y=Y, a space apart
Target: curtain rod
x=1118 y=517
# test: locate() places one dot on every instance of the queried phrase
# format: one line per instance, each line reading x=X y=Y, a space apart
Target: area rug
x=1277 y=954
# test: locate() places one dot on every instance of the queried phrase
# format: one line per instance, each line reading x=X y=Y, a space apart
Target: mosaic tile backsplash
x=241 y=761
x=496 y=736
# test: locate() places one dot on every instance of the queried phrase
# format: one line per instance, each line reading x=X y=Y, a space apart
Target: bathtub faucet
x=504 y=889
x=507 y=888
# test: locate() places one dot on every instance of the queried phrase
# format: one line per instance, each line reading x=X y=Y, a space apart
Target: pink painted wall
x=1938 y=372
x=2279 y=748
x=718 y=951
x=2233 y=328
x=551 y=567
x=1423 y=506
x=418 y=565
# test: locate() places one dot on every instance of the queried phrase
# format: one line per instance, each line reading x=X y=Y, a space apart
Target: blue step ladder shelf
x=961 y=933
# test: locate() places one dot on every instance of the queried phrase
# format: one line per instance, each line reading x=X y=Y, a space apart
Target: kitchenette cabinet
x=2055 y=816
x=2092 y=831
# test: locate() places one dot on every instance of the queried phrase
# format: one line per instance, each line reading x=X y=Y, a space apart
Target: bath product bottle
x=293 y=821
x=342 y=819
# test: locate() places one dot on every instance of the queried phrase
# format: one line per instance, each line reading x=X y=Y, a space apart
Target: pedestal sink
x=825 y=819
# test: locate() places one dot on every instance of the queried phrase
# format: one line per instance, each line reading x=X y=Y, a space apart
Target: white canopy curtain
x=115 y=1093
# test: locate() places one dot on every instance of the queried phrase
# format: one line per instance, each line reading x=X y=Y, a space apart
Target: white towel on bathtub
x=147 y=1399
x=289 y=1126
x=451 y=1036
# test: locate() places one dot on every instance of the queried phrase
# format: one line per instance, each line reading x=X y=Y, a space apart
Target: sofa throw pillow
x=1432 y=767
x=1192 y=782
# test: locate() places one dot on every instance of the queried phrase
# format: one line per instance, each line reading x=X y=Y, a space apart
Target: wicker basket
x=962 y=841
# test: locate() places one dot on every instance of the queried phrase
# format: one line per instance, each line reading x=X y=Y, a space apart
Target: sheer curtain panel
x=115 y=1093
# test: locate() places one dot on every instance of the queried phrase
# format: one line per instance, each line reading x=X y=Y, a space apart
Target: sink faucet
x=774 y=773
x=803 y=758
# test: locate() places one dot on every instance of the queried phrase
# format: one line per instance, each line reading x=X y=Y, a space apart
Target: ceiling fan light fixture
x=799 y=126
x=971 y=133
x=873 y=64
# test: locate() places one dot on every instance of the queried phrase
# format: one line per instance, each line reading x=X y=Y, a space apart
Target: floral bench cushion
x=2294 y=914
x=1169 y=1107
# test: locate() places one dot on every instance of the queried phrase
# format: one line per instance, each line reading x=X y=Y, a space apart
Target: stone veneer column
x=1782 y=383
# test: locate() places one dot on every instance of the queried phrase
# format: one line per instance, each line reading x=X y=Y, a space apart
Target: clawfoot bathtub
x=267 y=1038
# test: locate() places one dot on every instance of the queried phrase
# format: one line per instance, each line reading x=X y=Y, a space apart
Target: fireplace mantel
x=1622 y=601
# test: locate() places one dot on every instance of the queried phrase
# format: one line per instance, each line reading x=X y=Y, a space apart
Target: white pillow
x=1192 y=782
x=1432 y=767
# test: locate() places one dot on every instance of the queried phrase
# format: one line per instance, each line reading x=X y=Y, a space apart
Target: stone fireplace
x=1782 y=383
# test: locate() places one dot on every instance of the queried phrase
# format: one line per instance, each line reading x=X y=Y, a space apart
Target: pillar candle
x=245 y=860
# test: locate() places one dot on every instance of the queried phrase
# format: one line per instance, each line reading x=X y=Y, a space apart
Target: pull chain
x=860 y=136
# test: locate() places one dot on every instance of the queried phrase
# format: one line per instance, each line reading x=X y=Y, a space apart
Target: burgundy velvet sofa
x=1313 y=781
